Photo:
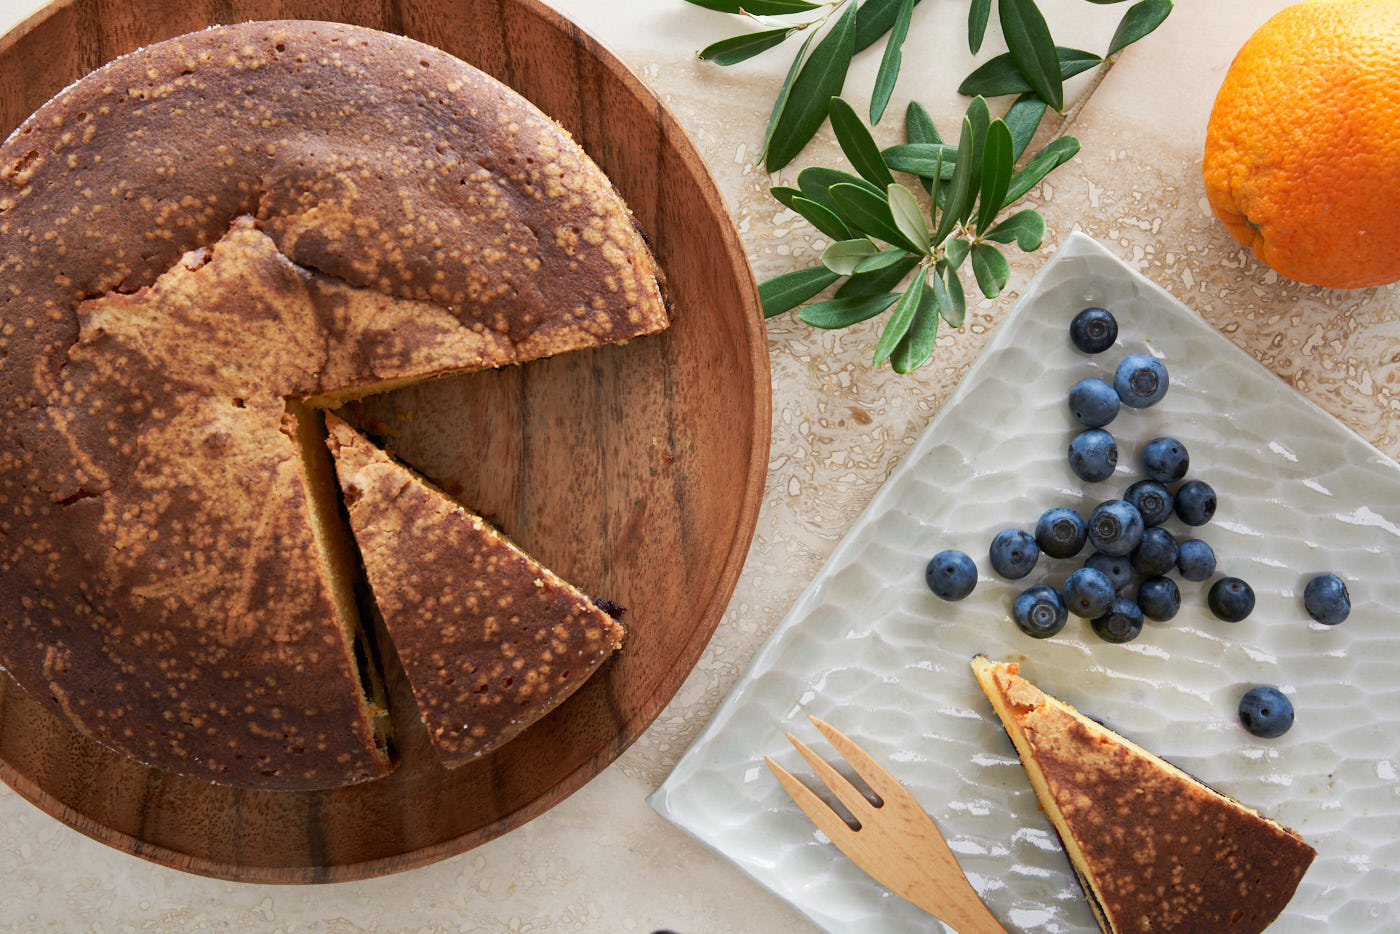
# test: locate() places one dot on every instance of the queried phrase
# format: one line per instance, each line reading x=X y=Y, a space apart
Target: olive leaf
x=1139 y=21
x=816 y=182
x=816 y=214
x=908 y=216
x=844 y=312
x=889 y=256
x=1042 y=164
x=757 y=7
x=1032 y=48
x=870 y=214
x=900 y=320
x=955 y=312
x=991 y=269
x=916 y=346
x=878 y=280
x=1023 y=119
x=1026 y=227
x=959 y=188
x=997 y=164
x=841 y=257
x=818 y=80
x=874 y=19
x=737 y=49
x=791 y=289
x=889 y=64
x=956 y=251
x=858 y=145
x=921 y=159
x=1002 y=74
x=977 y=14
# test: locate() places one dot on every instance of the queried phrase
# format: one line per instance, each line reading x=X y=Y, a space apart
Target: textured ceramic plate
x=868 y=648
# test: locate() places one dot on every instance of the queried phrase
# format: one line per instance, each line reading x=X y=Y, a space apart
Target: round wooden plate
x=634 y=471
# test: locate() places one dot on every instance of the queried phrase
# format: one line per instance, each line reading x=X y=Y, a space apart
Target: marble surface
x=602 y=860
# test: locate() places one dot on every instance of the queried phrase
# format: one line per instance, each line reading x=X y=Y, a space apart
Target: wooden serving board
x=634 y=471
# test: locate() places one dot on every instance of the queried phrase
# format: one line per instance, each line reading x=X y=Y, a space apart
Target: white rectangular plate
x=870 y=649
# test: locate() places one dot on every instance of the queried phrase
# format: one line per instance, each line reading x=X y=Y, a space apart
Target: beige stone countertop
x=603 y=860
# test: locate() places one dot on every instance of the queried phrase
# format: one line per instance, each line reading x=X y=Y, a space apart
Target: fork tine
x=827 y=820
x=880 y=781
x=849 y=795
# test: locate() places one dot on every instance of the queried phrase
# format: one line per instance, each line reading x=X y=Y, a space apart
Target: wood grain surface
x=634 y=471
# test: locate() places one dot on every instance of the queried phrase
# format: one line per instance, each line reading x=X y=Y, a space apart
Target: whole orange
x=1302 y=157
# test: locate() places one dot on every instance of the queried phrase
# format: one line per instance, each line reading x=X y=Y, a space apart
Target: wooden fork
x=897 y=844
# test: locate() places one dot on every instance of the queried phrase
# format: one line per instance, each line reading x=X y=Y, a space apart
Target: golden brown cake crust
x=187 y=236
x=490 y=640
x=1166 y=854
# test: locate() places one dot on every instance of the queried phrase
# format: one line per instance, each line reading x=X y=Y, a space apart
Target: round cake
x=201 y=243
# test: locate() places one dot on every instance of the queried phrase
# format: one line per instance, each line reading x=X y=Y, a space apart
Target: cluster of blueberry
x=1126 y=533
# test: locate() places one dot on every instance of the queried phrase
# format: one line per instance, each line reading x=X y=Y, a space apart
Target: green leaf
x=918 y=125
x=780 y=102
x=916 y=346
x=899 y=322
x=1047 y=160
x=1026 y=227
x=869 y=214
x=890 y=62
x=759 y=7
x=822 y=218
x=740 y=48
x=1023 y=119
x=1032 y=48
x=818 y=81
x=908 y=216
x=874 y=19
x=878 y=280
x=886 y=257
x=818 y=215
x=1000 y=75
x=955 y=310
x=938 y=284
x=858 y=145
x=997 y=164
x=981 y=117
x=816 y=181
x=921 y=159
x=1140 y=20
x=793 y=288
x=959 y=188
x=844 y=312
x=841 y=257
x=977 y=15
x=956 y=251
x=991 y=269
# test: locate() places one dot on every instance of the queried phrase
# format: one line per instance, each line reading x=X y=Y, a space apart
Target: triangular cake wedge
x=1155 y=849
x=491 y=641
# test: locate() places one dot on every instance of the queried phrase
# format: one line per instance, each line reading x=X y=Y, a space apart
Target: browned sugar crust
x=1166 y=854
x=490 y=640
x=403 y=215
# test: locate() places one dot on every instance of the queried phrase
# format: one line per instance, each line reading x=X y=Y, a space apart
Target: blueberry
x=1088 y=593
x=1122 y=623
x=1115 y=527
x=1093 y=402
x=1195 y=560
x=1118 y=568
x=1093 y=454
x=1141 y=380
x=1093 y=330
x=1165 y=460
x=1039 y=612
x=1061 y=532
x=951 y=575
x=1326 y=599
x=1195 y=502
x=1159 y=598
x=1152 y=499
x=1013 y=554
x=1156 y=553
x=1265 y=712
x=1231 y=599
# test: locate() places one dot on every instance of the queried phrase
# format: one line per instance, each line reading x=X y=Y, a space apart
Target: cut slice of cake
x=490 y=640
x=1155 y=849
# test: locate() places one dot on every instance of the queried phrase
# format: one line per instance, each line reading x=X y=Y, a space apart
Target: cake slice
x=1155 y=850
x=490 y=640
